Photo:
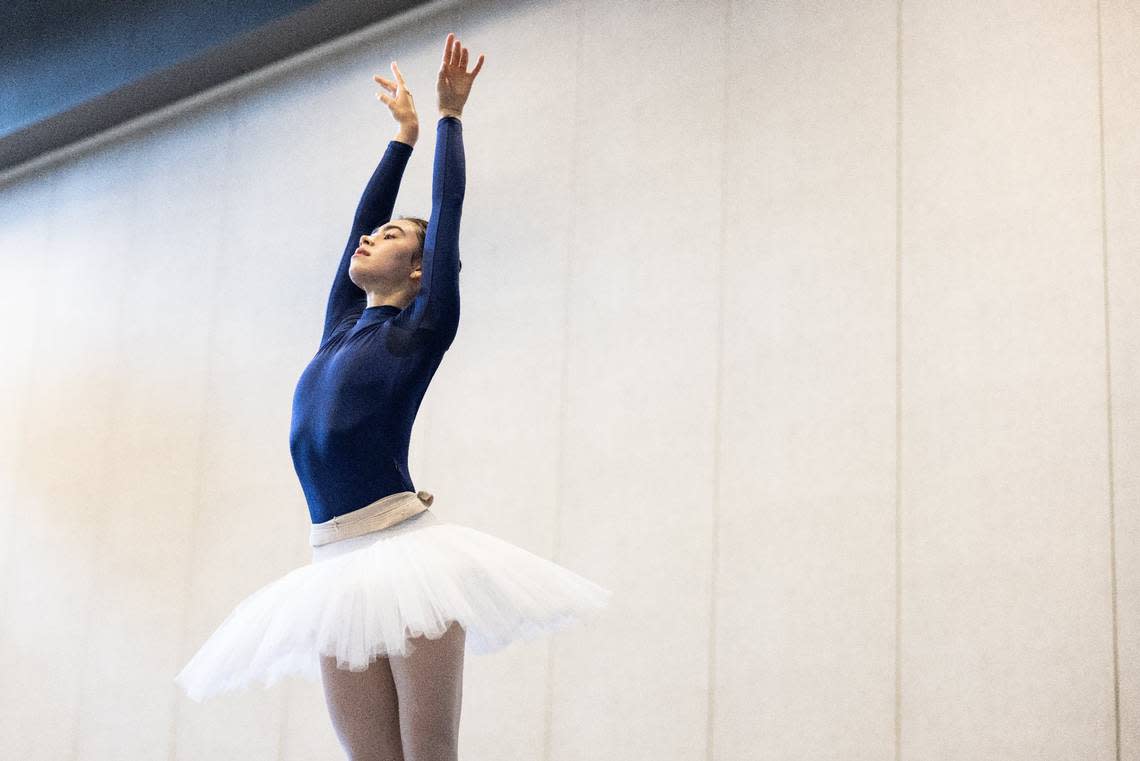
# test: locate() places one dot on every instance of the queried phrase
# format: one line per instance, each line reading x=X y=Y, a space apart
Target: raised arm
x=436 y=306
x=377 y=200
x=373 y=210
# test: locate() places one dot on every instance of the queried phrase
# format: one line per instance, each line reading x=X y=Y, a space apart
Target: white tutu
x=365 y=596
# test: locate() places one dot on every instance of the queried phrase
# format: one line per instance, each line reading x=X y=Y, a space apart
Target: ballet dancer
x=395 y=593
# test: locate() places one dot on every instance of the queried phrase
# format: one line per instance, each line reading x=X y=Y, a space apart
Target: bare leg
x=363 y=709
x=429 y=682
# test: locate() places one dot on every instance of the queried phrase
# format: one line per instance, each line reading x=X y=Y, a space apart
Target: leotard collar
x=379 y=313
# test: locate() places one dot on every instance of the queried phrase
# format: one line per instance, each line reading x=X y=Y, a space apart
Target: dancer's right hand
x=400 y=101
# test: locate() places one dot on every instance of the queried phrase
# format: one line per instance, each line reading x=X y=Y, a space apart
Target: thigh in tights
x=429 y=682
x=403 y=708
x=363 y=709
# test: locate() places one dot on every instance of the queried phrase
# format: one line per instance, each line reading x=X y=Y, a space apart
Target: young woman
x=395 y=593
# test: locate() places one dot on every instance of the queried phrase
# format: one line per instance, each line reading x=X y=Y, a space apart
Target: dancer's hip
x=384 y=513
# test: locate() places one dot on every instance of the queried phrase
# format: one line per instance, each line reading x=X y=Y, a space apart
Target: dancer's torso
x=355 y=403
x=353 y=410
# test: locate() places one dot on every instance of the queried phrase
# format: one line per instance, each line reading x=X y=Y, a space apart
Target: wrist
x=408 y=134
x=450 y=112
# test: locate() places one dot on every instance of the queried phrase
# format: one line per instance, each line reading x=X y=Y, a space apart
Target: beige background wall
x=811 y=329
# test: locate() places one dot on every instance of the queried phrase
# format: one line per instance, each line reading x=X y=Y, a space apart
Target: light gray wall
x=811 y=329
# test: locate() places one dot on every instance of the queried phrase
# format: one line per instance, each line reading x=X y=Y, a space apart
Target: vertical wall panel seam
x=16 y=505
x=718 y=391
x=563 y=383
x=898 y=377
x=200 y=455
x=1108 y=391
x=104 y=516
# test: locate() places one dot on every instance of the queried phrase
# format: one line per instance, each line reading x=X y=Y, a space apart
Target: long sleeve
x=373 y=210
x=436 y=307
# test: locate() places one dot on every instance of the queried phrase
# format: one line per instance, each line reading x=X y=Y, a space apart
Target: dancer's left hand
x=453 y=85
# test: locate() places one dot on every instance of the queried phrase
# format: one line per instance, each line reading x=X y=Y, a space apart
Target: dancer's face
x=384 y=257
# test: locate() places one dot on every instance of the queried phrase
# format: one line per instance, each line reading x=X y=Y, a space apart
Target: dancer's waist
x=383 y=513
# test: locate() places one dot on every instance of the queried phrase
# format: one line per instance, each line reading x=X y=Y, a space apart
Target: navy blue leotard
x=356 y=400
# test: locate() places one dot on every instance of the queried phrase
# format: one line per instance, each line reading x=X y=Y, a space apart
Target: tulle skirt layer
x=366 y=596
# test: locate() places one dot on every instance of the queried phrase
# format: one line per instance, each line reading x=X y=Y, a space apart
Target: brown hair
x=421 y=231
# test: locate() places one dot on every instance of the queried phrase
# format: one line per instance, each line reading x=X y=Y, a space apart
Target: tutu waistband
x=381 y=514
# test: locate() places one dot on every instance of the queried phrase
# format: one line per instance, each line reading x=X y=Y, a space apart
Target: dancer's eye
x=389 y=236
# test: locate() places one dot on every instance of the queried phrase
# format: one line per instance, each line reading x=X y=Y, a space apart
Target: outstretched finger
x=385 y=83
x=463 y=60
x=447 y=49
x=399 y=75
x=478 y=65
